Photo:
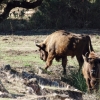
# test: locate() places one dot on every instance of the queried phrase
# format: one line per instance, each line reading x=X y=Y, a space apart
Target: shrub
x=76 y=79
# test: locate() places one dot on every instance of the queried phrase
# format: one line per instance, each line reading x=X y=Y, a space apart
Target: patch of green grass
x=24 y=60
x=55 y=62
x=72 y=61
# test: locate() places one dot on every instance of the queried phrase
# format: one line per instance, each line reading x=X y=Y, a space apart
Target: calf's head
x=43 y=53
x=94 y=63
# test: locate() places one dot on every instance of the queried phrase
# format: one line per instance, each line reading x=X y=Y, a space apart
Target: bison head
x=94 y=63
x=42 y=50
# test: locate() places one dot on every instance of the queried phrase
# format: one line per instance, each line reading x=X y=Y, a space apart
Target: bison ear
x=41 y=46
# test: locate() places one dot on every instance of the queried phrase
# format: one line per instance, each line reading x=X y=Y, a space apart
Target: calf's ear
x=85 y=58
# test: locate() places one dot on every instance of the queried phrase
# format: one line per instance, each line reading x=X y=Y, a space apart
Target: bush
x=76 y=79
x=58 y=14
x=62 y=14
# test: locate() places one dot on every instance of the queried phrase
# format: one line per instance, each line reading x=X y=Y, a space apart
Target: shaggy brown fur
x=61 y=44
x=91 y=71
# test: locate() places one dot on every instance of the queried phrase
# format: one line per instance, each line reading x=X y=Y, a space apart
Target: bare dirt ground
x=20 y=53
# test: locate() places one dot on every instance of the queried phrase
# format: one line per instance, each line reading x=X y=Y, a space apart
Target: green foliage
x=76 y=79
x=58 y=14
x=50 y=14
x=13 y=25
x=61 y=14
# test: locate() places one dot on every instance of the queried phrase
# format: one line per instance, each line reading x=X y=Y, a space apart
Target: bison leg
x=80 y=61
x=49 y=60
x=88 y=85
x=95 y=85
x=64 y=62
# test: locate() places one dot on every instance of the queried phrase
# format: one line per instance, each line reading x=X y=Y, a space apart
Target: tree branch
x=23 y=4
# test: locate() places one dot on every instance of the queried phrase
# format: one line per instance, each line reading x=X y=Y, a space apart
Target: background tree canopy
x=67 y=14
x=8 y=5
x=51 y=14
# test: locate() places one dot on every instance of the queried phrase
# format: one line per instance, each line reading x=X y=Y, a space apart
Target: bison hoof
x=46 y=68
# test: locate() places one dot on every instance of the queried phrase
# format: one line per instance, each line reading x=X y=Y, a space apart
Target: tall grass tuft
x=77 y=80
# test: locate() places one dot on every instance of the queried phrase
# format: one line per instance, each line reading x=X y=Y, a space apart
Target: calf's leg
x=88 y=84
x=95 y=85
x=64 y=62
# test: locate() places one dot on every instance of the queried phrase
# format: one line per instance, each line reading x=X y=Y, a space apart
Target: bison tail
x=90 y=45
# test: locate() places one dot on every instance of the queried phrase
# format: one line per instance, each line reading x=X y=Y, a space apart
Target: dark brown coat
x=61 y=44
x=91 y=71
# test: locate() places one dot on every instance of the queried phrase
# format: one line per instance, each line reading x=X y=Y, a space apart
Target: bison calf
x=61 y=44
x=91 y=71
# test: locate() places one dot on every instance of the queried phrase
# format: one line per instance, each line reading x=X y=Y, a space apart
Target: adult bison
x=91 y=71
x=61 y=44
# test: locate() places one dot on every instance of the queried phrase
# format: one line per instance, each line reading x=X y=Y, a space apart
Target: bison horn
x=38 y=45
x=41 y=46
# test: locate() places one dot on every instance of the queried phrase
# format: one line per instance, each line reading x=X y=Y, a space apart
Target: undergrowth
x=77 y=80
